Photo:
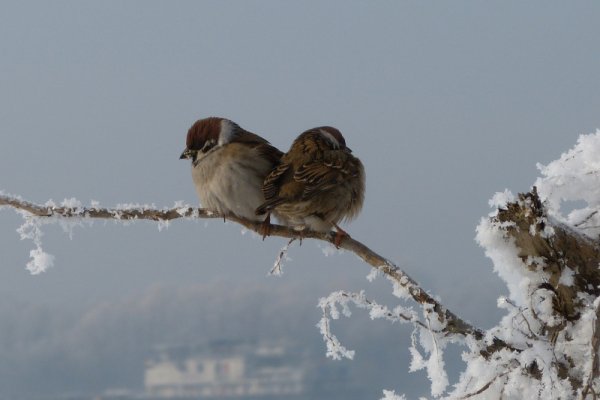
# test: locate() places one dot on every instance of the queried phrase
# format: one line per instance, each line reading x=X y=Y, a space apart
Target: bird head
x=206 y=134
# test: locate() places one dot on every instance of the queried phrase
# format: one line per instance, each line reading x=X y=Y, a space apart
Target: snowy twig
x=329 y=306
x=276 y=270
x=586 y=219
x=399 y=314
x=485 y=387
x=132 y=213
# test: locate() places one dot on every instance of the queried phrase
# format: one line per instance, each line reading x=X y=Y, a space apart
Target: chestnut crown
x=212 y=130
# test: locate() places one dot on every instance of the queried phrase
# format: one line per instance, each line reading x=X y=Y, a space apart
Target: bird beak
x=187 y=153
x=348 y=149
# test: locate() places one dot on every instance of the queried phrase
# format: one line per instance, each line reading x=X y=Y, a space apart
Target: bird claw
x=265 y=227
x=340 y=234
x=300 y=237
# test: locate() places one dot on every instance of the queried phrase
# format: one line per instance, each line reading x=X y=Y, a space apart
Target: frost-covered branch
x=73 y=209
x=276 y=270
x=329 y=306
x=484 y=387
x=553 y=279
x=550 y=264
x=404 y=285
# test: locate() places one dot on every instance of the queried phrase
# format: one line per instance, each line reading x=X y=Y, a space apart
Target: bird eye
x=209 y=144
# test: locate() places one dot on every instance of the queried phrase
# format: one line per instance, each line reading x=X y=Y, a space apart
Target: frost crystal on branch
x=551 y=269
x=31 y=230
x=391 y=395
x=574 y=177
x=283 y=255
x=70 y=213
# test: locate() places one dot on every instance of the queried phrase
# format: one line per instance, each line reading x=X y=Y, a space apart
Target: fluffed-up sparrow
x=318 y=183
x=229 y=166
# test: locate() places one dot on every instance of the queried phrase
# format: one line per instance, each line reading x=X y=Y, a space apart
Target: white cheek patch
x=331 y=138
x=227 y=130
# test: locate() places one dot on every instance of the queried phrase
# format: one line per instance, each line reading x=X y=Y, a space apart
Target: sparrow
x=229 y=166
x=317 y=184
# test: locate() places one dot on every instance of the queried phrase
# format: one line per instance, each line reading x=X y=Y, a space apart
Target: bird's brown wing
x=332 y=169
x=272 y=183
x=272 y=186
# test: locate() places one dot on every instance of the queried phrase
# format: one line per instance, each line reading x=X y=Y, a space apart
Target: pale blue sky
x=444 y=102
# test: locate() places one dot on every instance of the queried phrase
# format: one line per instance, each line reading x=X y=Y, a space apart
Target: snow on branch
x=551 y=271
x=432 y=338
x=404 y=285
x=550 y=263
x=329 y=306
x=574 y=179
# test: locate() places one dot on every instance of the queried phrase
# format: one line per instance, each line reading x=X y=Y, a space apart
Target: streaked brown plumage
x=229 y=165
x=318 y=183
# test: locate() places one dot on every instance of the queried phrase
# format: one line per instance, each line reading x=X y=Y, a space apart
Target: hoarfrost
x=372 y=275
x=31 y=230
x=329 y=249
x=574 y=177
x=162 y=224
x=501 y=199
x=40 y=261
x=391 y=395
x=507 y=263
x=542 y=342
x=335 y=350
x=71 y=203
x=535 y=370
x=331 y=305
x=400 y=289
x=277 y=269
x=566 y=277
x=181 y=208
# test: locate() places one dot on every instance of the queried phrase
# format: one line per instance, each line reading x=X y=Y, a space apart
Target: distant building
x=226 y=369
x=240 y=370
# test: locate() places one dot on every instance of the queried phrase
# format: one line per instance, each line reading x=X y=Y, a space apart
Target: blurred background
x=445 y=104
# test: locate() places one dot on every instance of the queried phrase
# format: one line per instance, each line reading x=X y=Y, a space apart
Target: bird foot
x=265 y=227
x=300 y=237
x=340 y=234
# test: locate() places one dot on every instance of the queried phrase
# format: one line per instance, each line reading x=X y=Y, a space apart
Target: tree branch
x=485 y=387
x=454 y=325
x=562 y=248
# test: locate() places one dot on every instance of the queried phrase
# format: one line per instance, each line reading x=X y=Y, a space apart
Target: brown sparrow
x=229 y=166
x=317 y=184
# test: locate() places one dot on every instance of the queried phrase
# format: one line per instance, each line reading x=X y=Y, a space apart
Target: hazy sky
x=444 y=102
